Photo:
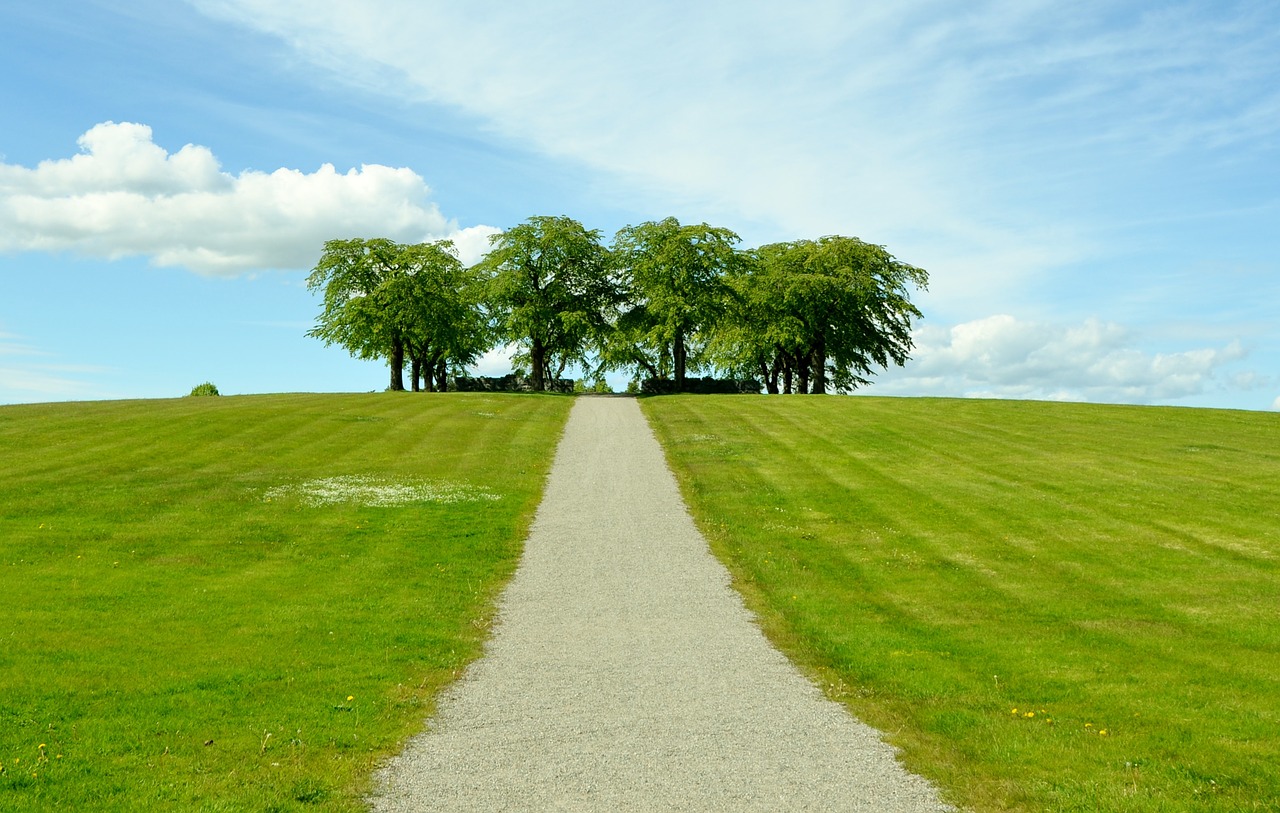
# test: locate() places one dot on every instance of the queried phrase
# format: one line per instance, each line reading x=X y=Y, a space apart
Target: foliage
x=667 y=300
x=437 y=305
x=552 y=294
x=1050 y=606
x=676 y=292
x=185 y=630
x=598 y=386
x=207 y=388
x=812 y=312
x=387 y=300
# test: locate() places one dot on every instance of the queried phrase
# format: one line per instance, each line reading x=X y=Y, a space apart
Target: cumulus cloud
x=124 y=195
x=1004 y=357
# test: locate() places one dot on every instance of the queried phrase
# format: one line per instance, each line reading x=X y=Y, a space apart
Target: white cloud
x=125 y=195
x=473 y=243
x=1004 y=357
x=496 y=362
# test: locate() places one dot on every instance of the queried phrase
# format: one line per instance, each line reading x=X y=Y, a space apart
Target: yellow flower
x=1102 y=733
x=1013 y=711
x=1088 y=725
x=350 y=697
x=1029 y=715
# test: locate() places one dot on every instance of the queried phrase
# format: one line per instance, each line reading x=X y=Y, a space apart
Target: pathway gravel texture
x=624 y=673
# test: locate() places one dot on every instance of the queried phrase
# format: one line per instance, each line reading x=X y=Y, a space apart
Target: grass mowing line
x=1047 y=606
x=174 y=634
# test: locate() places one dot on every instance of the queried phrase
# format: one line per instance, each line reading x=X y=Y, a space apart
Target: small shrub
x=207 y=388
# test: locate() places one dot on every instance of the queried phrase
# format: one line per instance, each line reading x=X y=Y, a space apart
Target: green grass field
x=1048 y=607
x=195 y=615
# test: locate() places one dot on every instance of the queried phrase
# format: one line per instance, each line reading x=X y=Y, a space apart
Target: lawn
x=1047 y=607
x=225 y=604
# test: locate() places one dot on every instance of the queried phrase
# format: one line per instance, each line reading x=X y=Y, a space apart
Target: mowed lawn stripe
x=173 y=636
x=940 y=563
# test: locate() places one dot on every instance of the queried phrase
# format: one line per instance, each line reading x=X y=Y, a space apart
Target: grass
x=183 y=626
x=1048 y=607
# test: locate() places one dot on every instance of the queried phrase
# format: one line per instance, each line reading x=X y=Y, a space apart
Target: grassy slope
x=1108 y=572
x=170 y=639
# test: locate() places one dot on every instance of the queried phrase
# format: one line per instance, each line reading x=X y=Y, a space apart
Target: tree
x=387 y=300
x=354 y=275
x=552 y=293
x=819 y=313
x=675 y=281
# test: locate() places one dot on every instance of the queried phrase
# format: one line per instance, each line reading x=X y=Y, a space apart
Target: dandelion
x=1088 y=725
x=350 y=697
x=1029 y=715
x=1102 y=733
x=1013 y=710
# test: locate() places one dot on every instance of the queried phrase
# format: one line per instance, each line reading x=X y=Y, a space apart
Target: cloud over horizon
x=1001 y=356
x=124 y=195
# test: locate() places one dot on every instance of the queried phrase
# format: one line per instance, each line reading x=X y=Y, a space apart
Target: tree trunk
x=538 y=360
x=442 y=376
x=820 y=365
x=788 y=370
x=679 y=352
x=415 y=372
x=397 y=365
x=802 y=372
x=769 y=377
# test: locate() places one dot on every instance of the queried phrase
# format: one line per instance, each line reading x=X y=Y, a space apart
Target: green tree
x=551 y=292
x=436 y=302
x=676 y=286
x=387 y=300
x=820 y=313
x=352 y=276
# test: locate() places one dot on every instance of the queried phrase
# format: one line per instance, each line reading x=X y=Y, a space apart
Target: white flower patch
x=378 y=493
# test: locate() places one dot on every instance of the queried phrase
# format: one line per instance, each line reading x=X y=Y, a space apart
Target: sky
x=1093 y=187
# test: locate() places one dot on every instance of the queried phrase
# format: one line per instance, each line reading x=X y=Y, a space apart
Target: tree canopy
x=820 y=313
x=675 y=286
x=805 y=316
x=551 y=293
x=387 y=300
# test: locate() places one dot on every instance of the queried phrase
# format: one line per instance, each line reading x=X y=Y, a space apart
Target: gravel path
x=625 y=674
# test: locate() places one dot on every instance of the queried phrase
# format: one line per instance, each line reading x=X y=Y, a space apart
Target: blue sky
x=1093 y=187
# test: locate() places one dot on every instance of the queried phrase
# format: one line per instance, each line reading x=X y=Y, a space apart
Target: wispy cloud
x=913 y=124
x=31 y=374
x=124 y=195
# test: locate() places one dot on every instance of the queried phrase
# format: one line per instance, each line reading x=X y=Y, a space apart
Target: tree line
x=664 y=300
